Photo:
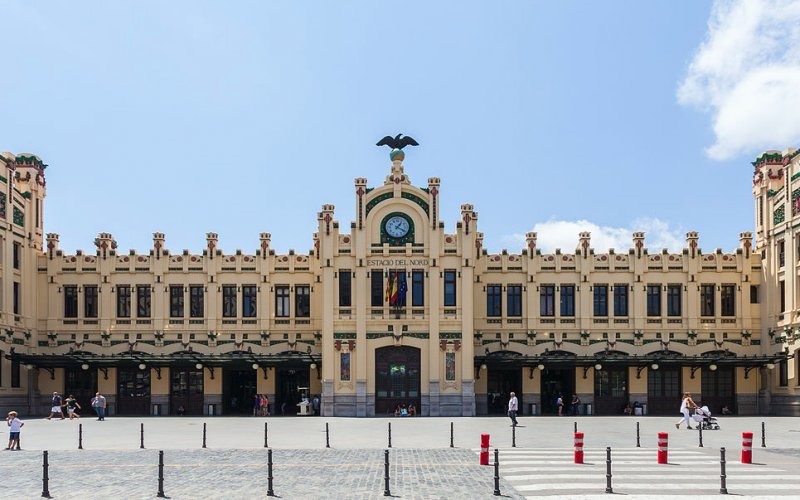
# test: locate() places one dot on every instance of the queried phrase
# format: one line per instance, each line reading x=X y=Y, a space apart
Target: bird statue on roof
x=397 y=143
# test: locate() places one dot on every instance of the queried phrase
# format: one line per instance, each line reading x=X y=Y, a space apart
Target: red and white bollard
x=484 y=449
x=747 y=447
x=578 y=447
x=663 y=446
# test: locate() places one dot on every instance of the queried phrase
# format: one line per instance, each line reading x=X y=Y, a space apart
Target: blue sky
x=242 y=117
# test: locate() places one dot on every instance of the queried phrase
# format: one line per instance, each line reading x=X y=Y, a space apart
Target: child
x=13 y=433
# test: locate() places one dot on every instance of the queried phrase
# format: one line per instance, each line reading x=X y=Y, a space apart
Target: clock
x=396 y=226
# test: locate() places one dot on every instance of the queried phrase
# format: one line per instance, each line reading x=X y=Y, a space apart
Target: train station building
x=398 y=307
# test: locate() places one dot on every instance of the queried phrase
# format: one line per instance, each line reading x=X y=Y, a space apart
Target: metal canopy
x=561 y=359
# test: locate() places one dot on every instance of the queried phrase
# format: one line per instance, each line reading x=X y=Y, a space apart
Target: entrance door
x=610 y=390
x=133 y=391
x=557 y=382
x=186 y=391
x=718 y=389
x=499 y=385
x=397 y=379
x=664 y=391
x=238 y=391
x=83 y=385
x=287 y=392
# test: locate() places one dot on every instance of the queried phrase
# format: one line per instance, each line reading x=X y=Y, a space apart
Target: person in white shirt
x=687 y=403
x=513 y=407
x=15 y=425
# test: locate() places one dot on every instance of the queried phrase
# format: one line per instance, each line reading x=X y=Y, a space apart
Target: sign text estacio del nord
x=397 y=262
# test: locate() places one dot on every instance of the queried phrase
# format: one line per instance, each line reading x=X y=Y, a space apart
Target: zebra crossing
x=547 y=472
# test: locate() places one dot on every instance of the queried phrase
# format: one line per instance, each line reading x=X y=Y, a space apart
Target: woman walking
x=687 y=404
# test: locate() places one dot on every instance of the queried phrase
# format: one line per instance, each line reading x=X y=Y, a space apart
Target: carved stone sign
x=378 y=262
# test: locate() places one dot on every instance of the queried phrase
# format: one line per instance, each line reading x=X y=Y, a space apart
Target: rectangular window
x=514 y=300
x=754 y=294
x=376 y=288
x=17 y=255
x=282 y=301
x=70 y=301
x=783 y=372
x=249 y=301
x=17 y=298
x=302 y=301
x=123 y=301
x=143 y=301
x=601 y=300
x=761 y=210
x=417 y=288
x=196 y=301
x=728 y=300
x=782 y=286
x=450 y=288
x=345 y=288
x=176 y=301
x=674 y=300
x=620 y=300
x=654 y=300
x=567 y=300
x=494 y=301
x=707 y=300
x=228 y=301
x=90 y=301
x=547 y=300
x=781 y=253
x=15 y=373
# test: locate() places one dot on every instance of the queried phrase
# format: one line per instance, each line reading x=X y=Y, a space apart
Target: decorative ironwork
x=416 y=199
x=374 y=201
x=779 y=215
x=19 y=217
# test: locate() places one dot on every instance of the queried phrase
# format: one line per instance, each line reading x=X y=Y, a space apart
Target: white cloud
x=563 y=234
x=747 y=74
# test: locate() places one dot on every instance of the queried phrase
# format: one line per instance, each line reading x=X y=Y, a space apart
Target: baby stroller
x=702 y=416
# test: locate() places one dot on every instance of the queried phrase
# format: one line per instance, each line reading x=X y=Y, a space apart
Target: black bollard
x=386 y=491
x=700 y=434
x=45 y=476
x=327 y=436
x=638 y=444
x=141 y=436
x=204 y=434
x=266 y=435
x=763 y=436
x=496 y=472
x=80 y=436
x=451 y=434
x=575 y=426
x=161 y=475
x=390 y=434
x=513 y=436
x=270 y=491
x=608 y=470
x=723 y=489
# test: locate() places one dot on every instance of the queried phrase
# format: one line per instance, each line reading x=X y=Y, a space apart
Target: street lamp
x=654 y=366
x=255 y=366
x=712 y=367
x=142 y=366
x=313 y=366
x=598 y=367
x=483 y=366
x=770 y=366
x=199 y=366
x=540 y=367
x=84 y=366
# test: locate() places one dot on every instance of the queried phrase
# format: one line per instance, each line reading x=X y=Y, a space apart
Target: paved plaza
x=422 y=463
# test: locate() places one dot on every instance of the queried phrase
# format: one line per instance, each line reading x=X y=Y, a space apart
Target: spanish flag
x=393 y=300
x=388 y=292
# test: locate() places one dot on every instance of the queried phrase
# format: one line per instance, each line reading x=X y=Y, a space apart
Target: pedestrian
x=55 y=406
x=560 y=405
x=513 y=407
x=264 y=405
x=15 y=425
x=256 y=404
x=99 y=405
x=315 y=405
x=686 y=404
x=576 y=405
x=71 y=403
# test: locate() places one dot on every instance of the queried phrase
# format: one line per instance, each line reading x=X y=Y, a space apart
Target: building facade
x=395 y=310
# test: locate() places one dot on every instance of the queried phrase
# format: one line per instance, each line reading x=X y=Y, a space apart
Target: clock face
x=396 y=227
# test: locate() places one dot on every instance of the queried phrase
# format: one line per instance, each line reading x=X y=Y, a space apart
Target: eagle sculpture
x=398 y=142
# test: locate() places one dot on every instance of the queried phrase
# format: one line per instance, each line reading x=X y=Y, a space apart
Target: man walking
x=513 y=407
x=99 y=405
x=55 y=406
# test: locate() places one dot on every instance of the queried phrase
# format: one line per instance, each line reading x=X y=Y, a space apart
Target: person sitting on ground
x=181 y=411
x=403 y=411
x=628 y=410
x=412 y=410
x=726 y=410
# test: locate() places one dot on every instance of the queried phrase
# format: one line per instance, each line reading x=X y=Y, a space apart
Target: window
x=567 y=300
x=754 y=294
x=417 y=288
x=282 y=301
x=124 y=301
x=783 y=373
x=70 y=301
x=249 y=301
x=15 y=373
x=450 y=287
x=176 y=301
x=90 y=301
x=345 y=288
x=514 y=300
x=781 y=253
x=601 y=300
x=196 y=301
x=494 y=300
x=228 y=301
x=17 y=298
x=706 y=300
x=302 y=301
x=376 y=289
x=761 y=210
x=620 y=300
x=143 y=301
x=17 y=255
x=782 y=285
x=654 y=300
x=728 y=300
x=547 y=300
x=674 y=300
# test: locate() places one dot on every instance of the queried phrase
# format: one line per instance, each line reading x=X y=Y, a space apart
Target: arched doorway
x=397 y=378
